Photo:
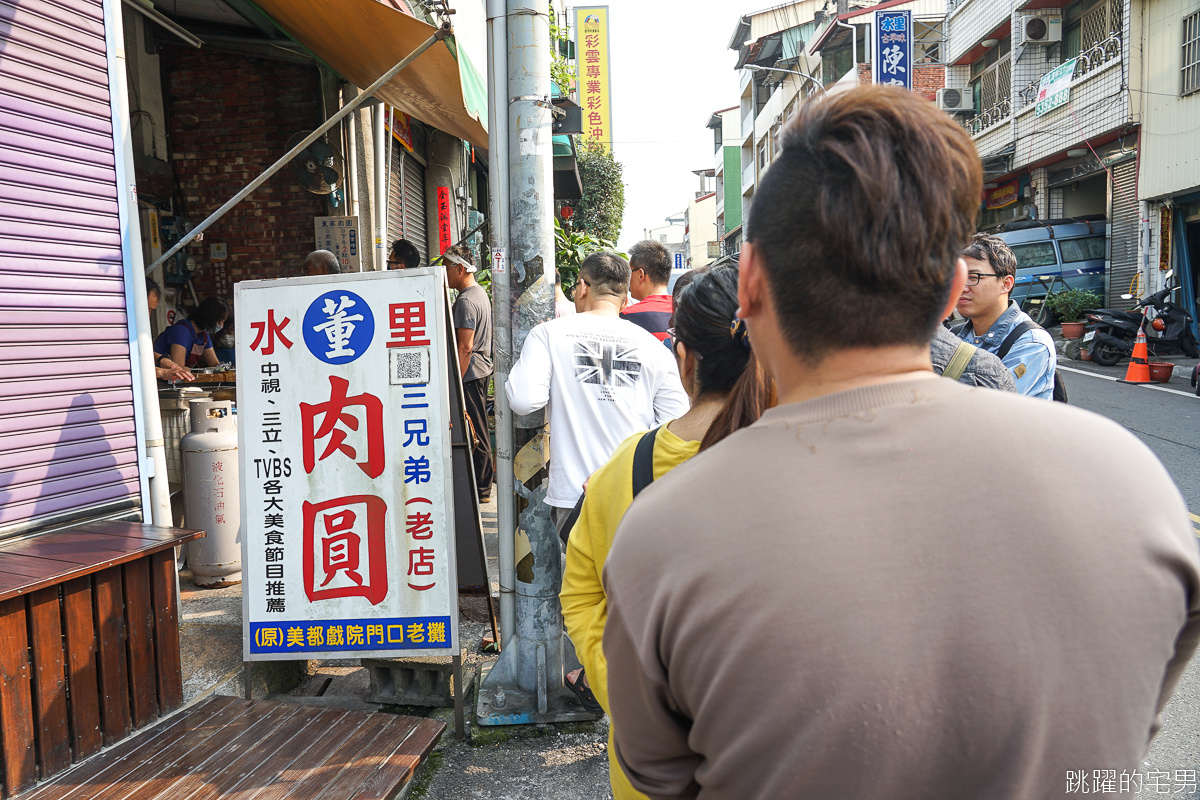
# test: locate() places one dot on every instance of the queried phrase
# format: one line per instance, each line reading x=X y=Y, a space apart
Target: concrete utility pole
x=526 y=683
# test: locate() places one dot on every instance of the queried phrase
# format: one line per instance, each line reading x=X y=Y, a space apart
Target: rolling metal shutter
x=67 y=439
x=1123 y=235
x=406 y=201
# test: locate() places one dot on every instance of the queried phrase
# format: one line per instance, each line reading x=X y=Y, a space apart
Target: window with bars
x=991 y=78
x=1087 y=23
x=1191 y=54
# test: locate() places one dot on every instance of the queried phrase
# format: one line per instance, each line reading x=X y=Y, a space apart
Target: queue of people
x=795 y=605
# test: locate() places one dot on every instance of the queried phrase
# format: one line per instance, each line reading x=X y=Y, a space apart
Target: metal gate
x=67 y=438
x=1123 y=234
x=406 y=201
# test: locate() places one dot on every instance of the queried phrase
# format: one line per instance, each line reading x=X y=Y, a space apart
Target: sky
x=671 y=68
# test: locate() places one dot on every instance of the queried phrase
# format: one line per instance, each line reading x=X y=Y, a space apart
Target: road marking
x=1195 y=524
x=1118 y=380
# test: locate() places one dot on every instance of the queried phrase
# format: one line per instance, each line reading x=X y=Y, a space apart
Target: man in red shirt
x=650 y=267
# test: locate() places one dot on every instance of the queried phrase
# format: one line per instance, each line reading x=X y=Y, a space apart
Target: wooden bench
x=232 y=748
x=89 y=643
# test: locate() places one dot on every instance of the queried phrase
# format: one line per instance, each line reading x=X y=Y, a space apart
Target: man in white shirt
x=604 y=379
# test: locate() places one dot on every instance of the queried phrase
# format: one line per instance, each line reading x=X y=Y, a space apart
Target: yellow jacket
x=584 y=606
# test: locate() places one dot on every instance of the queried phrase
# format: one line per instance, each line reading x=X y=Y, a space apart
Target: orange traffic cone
x=1139 y=363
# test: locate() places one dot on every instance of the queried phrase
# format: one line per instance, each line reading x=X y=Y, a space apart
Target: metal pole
x=144 y=380
x=379 y=207
x=442 y=32
x=502 y=316
x=526 y=683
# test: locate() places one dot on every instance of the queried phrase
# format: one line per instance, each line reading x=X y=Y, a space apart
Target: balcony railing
x=1095 y=56
x=988 y=117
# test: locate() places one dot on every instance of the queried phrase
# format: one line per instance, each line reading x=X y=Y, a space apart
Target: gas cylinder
x=210 y=493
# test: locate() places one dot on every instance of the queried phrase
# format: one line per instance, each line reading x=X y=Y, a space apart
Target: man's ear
x=1009 y=282
x=752 y=282
x=957 y=283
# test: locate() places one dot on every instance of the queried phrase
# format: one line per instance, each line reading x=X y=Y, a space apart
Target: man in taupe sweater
x=882 y=590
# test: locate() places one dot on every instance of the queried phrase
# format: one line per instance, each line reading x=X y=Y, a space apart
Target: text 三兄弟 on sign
x=344 y=437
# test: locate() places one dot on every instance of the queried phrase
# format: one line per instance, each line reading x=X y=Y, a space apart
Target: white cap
x=453 y=259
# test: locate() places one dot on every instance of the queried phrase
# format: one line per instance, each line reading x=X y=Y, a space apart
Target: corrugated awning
x=363 y=39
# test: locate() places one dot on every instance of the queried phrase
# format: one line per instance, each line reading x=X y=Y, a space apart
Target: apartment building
x=1069 y=155
x=726 y=126
x=701 y=246
x=1169 y=175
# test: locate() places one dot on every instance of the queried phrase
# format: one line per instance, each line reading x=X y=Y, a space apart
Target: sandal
x=584 y=694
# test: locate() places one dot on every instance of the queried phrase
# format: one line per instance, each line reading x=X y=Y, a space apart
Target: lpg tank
x=210 y=493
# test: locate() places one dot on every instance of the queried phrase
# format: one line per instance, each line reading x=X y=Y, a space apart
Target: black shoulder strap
x=643 y=462
x=1015 y=334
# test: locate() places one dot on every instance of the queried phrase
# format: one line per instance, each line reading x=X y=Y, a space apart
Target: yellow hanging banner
x=592 y=65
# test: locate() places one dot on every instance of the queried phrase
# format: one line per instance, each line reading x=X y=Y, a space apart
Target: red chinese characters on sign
x=419 y=526
x=407 y=323
x=443 y=210
x=334 y=420
x=272 y=330
x=345 y=553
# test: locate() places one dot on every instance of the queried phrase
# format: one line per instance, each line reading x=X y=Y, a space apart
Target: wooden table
x=89 y=642
x=234 y=748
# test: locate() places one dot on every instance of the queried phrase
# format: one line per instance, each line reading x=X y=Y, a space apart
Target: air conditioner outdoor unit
x=1043 y=30
x=954 y=100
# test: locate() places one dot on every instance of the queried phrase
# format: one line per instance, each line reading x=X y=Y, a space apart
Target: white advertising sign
x=1055 y=88
x=339 y=235
x=346 y=478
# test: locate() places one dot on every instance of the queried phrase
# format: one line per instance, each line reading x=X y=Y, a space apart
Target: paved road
x=1169 y=423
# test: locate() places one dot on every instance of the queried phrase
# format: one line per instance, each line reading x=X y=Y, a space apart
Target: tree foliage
x=561 y=71
x=571 y=247
x=600 y=210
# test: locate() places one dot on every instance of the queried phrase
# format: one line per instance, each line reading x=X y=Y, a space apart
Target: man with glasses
x=603 y=378
x=997 y=324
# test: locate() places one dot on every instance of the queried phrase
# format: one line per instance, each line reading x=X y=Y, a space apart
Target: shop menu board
x=346 y=480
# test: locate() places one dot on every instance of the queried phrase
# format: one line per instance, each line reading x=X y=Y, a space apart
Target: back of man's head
x=860 y=220
x=993 y=251
x=322 y=262
x=405 y=255
x=654 y=259
x=606 y=274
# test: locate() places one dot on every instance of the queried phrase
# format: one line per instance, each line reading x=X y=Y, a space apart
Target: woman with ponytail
x=728 y=390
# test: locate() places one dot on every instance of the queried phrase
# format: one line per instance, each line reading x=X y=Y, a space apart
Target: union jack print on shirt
x=607 y=363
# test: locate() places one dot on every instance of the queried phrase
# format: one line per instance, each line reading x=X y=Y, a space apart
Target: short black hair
x=606 y=273
x=209 y=313
x=862 y=216
x=152 y=287
x=653 y=258
x=406 y=253
x=994 y=251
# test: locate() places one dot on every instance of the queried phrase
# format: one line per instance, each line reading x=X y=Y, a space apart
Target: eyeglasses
x=973 y=277
x=674 y=338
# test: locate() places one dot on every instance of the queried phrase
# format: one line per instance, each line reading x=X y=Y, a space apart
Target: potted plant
x=1070 y=305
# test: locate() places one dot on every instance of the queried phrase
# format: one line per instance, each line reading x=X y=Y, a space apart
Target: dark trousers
x=475 y=396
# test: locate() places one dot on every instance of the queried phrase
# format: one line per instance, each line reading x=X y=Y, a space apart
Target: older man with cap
x=472 y=315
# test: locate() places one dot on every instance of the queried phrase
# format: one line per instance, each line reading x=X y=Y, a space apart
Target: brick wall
x=927 y=79
x=230 y=118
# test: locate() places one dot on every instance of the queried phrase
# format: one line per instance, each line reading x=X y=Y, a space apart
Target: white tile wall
x=970 y=22
x=1098 y=104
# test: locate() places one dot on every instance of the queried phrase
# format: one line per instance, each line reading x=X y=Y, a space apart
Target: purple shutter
x=67 y=444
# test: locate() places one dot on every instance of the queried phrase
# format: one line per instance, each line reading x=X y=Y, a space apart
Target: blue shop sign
x=892 y=57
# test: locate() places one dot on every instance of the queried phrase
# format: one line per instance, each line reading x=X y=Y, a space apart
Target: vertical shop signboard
x=892 y=64
x=592 y=67
x=346 y=478
x=339 y=235
x=445 y=238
